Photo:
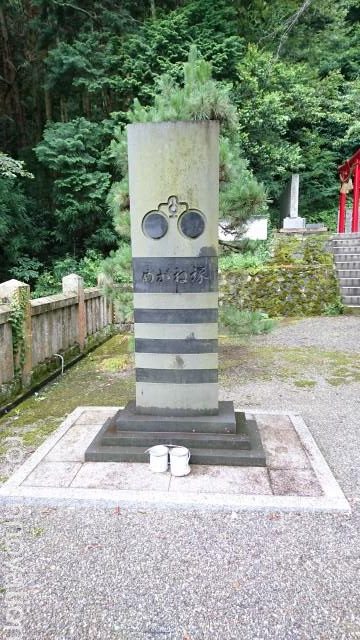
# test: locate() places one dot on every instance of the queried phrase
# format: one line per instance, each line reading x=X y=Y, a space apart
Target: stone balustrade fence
x=33 y=333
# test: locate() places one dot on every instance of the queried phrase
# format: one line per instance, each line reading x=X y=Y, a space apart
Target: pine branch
x=291 y=22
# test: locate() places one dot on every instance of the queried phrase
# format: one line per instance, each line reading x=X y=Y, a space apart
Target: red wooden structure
x=349 y=173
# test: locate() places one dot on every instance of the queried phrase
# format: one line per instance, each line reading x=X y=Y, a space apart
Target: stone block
x=52 y=474
x=294 y=223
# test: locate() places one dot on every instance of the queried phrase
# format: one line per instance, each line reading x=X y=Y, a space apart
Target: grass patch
x=92 y=381
x=304 y=383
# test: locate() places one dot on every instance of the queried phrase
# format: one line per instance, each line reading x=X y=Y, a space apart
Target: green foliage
x=286 y=250
x=335 y=308
x=18 y=304
x=285 y=84
x=17 y=232
x=199 y=98
x=27 y=269
x=10 y=168
x=241 y=322
x=231 y=261
x=116 y=279
x=89 y=267
x=73 y=153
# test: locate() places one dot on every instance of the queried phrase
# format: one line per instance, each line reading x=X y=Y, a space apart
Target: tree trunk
x=153 y=9
x=48 y=105
x=12 y=94
x=86 y=105
x=63 y=110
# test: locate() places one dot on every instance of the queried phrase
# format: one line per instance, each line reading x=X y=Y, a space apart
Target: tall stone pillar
x=174 y=186
x=174 y=199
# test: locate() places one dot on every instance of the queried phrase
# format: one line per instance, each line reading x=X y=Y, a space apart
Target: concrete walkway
x=137 y=574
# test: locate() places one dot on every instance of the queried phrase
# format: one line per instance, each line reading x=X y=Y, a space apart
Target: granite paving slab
x=281 y=443
x=216 y=479
x=52 y=474
x=299 y=482
x=297 y=477
x=123 y=475
x=74 y=443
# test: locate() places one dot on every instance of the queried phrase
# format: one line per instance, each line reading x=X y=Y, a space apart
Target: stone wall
x=287 y=290
x=298 y=280
x=64 y=324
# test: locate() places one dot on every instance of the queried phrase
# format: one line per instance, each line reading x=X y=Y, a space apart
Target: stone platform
x=296 y=476
x=228 y=438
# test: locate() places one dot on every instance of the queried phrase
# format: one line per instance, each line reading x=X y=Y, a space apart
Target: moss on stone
x=89 y=382
x=298 y=281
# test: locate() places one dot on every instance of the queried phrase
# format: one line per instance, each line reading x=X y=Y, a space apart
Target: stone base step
x=350 y=291
x=345 y=236
x=224 y=422
x=348 y=273
x=346 y=257
x=228 y=457
x=244 y=448
x=113 y=437
x=347 y=244
x=353 y=310
x=351 y=300
x=346 y=264
x=349 y=282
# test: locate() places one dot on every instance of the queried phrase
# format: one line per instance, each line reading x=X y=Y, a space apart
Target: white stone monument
x=289 y=205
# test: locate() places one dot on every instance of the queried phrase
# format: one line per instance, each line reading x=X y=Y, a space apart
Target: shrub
x=237 y=322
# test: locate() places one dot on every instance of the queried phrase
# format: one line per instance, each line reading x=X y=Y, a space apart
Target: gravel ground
x=90 y=574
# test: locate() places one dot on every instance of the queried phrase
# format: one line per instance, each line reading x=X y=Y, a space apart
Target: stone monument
x=174 y=185
x=289 y=206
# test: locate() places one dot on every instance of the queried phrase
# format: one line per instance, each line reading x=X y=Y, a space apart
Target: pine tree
x=199 y=98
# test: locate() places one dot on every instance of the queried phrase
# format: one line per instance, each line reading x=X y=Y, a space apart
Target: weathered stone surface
x=174 y=223
x=294 y=482
x=72 y=445
x=120 y=475
x=289 y=200
x=294 y=223
x=75 y=284
x=214 y=479
x=281 y=443
x=53 y=474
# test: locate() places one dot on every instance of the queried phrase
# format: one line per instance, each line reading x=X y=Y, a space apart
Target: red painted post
x=342 y=212
x=355 y=211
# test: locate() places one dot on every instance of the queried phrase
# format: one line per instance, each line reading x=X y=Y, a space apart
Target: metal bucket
x=179 y=461
x=159 y=458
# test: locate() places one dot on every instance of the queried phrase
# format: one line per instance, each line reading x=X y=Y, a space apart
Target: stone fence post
x=74 y=285
x=17 y=295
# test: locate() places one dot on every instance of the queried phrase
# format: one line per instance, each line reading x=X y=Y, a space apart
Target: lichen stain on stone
x=179 y=362
x=207 y=251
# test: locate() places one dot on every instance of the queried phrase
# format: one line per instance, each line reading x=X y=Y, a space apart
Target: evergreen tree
x=199 y=98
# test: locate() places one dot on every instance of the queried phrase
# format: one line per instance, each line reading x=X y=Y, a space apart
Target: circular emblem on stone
x=192 y=223
x=155 y=225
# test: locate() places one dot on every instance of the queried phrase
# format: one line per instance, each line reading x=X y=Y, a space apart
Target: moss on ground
x=298 y=365
x=304 y=383
x=104 y=377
